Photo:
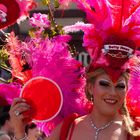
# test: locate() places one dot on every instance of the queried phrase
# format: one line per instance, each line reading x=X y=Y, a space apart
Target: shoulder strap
x=134 y=138
x=128 y=136
x=66 y=125
x=137 y=138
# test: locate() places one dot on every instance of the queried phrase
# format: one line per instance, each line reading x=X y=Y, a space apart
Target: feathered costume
x=111 y=39
x=8 y=92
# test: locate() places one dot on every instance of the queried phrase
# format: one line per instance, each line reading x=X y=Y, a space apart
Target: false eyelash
x=104 y=83
x=121 y=86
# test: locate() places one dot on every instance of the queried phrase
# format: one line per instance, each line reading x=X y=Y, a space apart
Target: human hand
x=18 y=117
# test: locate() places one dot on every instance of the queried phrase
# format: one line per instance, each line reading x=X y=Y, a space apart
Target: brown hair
x=127 y=121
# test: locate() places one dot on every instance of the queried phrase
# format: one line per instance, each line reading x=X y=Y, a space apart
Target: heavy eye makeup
x=120 y=86
x=104 y=83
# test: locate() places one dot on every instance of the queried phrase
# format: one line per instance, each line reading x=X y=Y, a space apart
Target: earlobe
x=90 y=89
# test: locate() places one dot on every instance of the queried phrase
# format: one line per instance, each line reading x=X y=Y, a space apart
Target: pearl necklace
x=97 y=130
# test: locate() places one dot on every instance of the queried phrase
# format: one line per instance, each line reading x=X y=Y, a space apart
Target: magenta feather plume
x=8 y=92
x=109 y=17
x=133 y=95
x=52 y=59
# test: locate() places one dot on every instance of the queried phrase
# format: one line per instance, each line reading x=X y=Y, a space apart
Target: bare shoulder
x=56 y=133
x=82 y=119
x=81 y=123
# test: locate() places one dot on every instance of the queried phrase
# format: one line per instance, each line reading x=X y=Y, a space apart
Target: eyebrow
x=121 y=81
x=118 y=82
x=104 y=80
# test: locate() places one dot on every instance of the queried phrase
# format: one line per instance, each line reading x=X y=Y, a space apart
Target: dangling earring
x=91 y=98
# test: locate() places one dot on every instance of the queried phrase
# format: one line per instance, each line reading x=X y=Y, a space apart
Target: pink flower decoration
x=40 y=20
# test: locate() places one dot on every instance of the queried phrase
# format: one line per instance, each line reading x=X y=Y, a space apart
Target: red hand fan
x=44 y=96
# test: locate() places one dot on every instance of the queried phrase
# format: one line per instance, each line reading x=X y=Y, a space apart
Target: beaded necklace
x=97 y=130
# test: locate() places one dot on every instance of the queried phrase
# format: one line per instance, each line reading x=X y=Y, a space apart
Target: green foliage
x=32 y=32
x=3 y=57
x=56 y=4
x=46 y=2
x=54 y=28
x=4 y=64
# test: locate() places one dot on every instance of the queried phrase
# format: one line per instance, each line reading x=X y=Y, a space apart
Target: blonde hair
x=90 y=78
x=127 y=121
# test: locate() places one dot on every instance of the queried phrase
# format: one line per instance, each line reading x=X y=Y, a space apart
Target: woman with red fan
x=112 y=76
x=109 y=118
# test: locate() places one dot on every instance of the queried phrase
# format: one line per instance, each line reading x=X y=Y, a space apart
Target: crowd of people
x=5 y=125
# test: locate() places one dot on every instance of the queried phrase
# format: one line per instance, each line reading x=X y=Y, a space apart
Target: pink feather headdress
x=113 y=34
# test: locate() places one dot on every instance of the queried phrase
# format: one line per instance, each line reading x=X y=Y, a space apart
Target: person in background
x=33 y=132
x=6 y=124
x=4 y=136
